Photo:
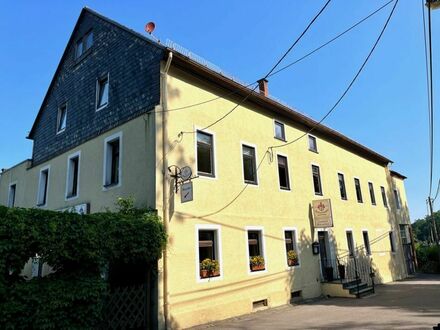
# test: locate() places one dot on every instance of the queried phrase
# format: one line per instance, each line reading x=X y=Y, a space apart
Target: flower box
x=204 y=273
x=256 y=268
x=292 y=262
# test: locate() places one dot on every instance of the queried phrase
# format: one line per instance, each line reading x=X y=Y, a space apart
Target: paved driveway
x=410 y=304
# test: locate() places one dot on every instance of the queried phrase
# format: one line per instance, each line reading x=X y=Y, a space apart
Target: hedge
x=78 y=248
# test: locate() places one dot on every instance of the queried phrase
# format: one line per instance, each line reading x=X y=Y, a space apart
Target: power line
x=288 y=65
x=431 y=110
x=349 y=86
x=270 y=71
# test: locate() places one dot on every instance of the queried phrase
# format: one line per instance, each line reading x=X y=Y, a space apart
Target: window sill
x=344 y=199
x=206 y=175
x=71 y=197
x=253 y=183
x=61 y=131
x=315 y=151
x=41 y=205
x=319 y=194
x=285 y=189
x=101 y=107
x=280 y=138
x=111 y=186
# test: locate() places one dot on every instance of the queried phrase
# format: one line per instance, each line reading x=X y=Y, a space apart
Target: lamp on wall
x=315 y=248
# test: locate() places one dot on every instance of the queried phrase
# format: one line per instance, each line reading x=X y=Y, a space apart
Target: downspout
x=164 y=96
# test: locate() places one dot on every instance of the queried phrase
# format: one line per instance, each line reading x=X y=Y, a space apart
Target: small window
x=283 y=172
x=312 y=143
x=88 y=40
x=392 y=243
x=372 y=196
x=404 y=234
x=316 y=180
x=84 y=44
x=102 y=93
x=256 y=253
x=279 y=131
x=42 y=187
x=11 y=195
x=249 y=165
x=397 y=199
x=208 y=253
x=62 y=118
x=205 y=154
x=357 y=185
x=366 y=243
x=112 y=162
x=72 y=176
x=350 y=243
x=291 y=248
x=384 y=196
x=342 y=189
x=79 y=48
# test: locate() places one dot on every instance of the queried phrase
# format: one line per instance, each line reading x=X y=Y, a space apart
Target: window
x=209 y=260
x=357 y=185
x=112 y=159
x=84 y=44
x=249 y=165
x=283 y=172
x=279 y=131
x=342 y=189
x=397 y=199
x=292 y=255
x=384 y=196
x=205 y=154
x=256 y=250
x=372 y=196
x=72 y=182
x=42 y=187
x=350 y=243
x=316 y=180
x=366 y=243
x=392 y=243
x=11 y=195
x=102 y=90
x=404 y=234
x=312 y=143
x=62 y=118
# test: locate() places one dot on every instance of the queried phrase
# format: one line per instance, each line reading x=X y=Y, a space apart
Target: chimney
x=264 y=89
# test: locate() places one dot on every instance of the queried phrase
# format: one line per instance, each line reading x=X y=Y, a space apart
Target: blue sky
x=386 y=110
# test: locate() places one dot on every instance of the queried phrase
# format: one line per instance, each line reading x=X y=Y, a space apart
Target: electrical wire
x=349 y=86
x=438 y=190
x=270 y=71
x=431 y=110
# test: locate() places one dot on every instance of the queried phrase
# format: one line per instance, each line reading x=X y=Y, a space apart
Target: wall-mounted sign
x=322 y=213
x=186 y=192
x=80 y=209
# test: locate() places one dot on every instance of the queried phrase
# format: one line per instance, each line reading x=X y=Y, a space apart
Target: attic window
x=84 y=44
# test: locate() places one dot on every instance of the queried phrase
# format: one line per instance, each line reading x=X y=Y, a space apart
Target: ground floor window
x=366 y=243
x=208 y=252
x=392 y=242
x=291 y=247
x=350 y=243
x=256 y=250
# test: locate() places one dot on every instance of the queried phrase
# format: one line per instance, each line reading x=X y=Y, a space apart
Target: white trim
x=244 y=143
x=354 y=242
x=284 y=129
x=288 y=172
x=47 y=167
x=369 y=193
x=214 y=153
x=345 y=186
x=320 y=179
x=68 y=173
x=263 y=243
x=14 y=183
x=297 y=245
x=316 y=142
x=218 y=230
x=108 y=139
x=97 y=92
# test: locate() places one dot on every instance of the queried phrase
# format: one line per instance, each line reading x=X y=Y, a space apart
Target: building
x=116 y=122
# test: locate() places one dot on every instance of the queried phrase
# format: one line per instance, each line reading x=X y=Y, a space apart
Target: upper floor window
x=43 y=187
x=316 y=180
x=62 y=118
x=357 y=185
x=384 y=196
x=84 y=44
x=102 y=90
x=249 y=165
x=112 y=159
x=72 y=176
x=313 y=146
x=205 y=154
x=372 y=196
x=342 y=189
x=397 y=199
x=283 y=172
x=279 y=131
x=11 y=195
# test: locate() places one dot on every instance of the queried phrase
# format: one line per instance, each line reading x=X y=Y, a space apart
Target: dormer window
x=62 y=118
x=84 y=44
x=102 y=87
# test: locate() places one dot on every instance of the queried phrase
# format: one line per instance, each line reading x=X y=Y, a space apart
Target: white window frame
x=246 y=144
x=263 y=246
x=354 y=242
x=316 y=142
x=364 y=230
x=320 y=180
x=288 y=173
x=59 y=131
x=106 y=161
x=214 y=154
x=218 y=230
x=275 y=121
x=360 y=187
x=297 y=245
x=369 y=193
x=345 y=186
x=39 y=192
x=97 y=107
x=9 y=193
x=69 y=173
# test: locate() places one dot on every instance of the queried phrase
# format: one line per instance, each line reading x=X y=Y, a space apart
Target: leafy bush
x=427 y=258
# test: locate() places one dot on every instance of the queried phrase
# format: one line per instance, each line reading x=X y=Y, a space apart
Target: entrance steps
x=351 y=289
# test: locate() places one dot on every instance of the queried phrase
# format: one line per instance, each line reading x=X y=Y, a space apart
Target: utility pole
x=434 y=226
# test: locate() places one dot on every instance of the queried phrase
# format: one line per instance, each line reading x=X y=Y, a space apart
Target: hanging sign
x=322 y=213
x=186 y=192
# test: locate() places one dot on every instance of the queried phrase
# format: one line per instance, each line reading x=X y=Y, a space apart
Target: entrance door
x=324 y=251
